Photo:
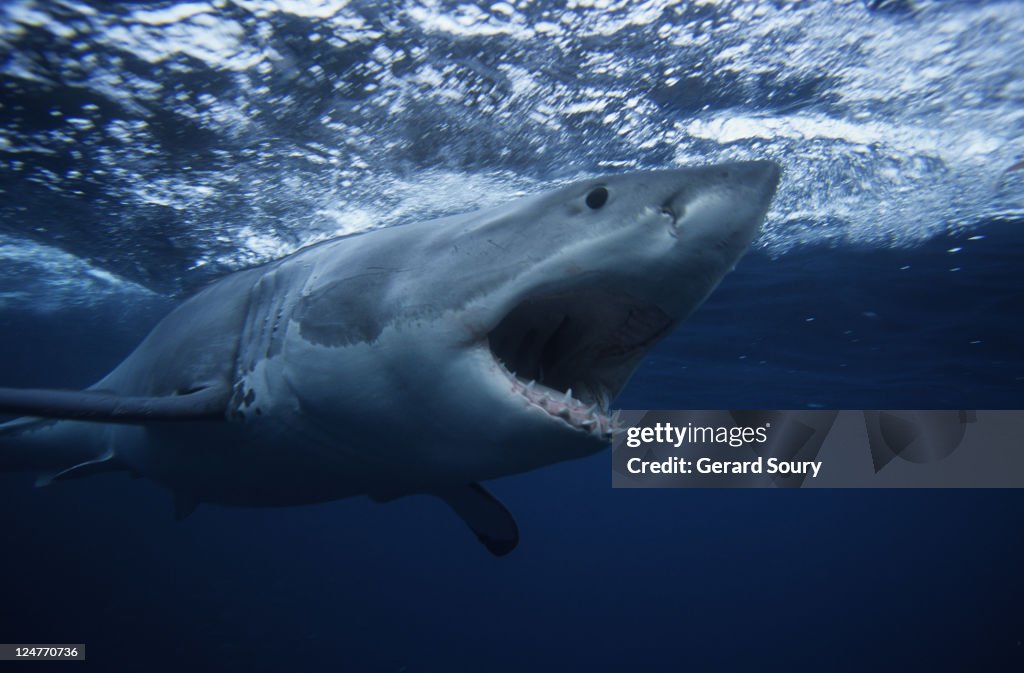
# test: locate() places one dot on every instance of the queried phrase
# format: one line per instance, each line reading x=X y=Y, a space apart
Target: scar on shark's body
x=416 y=359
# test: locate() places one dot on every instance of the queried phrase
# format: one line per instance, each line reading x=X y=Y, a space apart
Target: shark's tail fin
x=51 y=449
x=67 y=433
x=18 y=448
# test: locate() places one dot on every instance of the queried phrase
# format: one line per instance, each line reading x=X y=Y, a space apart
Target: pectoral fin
x=489 y=520
x=206 y=403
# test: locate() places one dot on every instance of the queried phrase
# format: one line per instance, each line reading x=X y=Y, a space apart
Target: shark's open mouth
x=570 y=354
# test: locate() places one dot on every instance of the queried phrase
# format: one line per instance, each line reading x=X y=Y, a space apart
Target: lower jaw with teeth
x=575 y=413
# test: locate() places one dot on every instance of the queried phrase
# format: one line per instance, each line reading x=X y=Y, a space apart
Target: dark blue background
x=603 y=579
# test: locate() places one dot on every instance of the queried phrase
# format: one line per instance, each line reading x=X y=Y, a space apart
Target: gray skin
x=396 y=361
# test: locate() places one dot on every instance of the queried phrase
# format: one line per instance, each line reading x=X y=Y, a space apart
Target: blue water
x=855 y=328
x=147 y=148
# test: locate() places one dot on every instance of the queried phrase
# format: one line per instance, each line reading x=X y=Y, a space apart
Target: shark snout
x=761 y=176
x=753 y=185
x=753 y=181
x=723 y=204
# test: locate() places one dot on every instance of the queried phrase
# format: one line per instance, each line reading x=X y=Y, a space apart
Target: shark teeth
x=586 y=417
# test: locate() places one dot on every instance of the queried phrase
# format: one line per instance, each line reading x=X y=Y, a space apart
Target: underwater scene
x=867 y=156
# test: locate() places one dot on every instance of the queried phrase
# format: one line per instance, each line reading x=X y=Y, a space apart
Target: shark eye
x=597 y=198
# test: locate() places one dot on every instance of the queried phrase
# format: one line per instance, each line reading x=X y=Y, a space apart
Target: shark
x=422 y=358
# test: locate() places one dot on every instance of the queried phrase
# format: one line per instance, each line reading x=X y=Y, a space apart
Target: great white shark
x=415 y=359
